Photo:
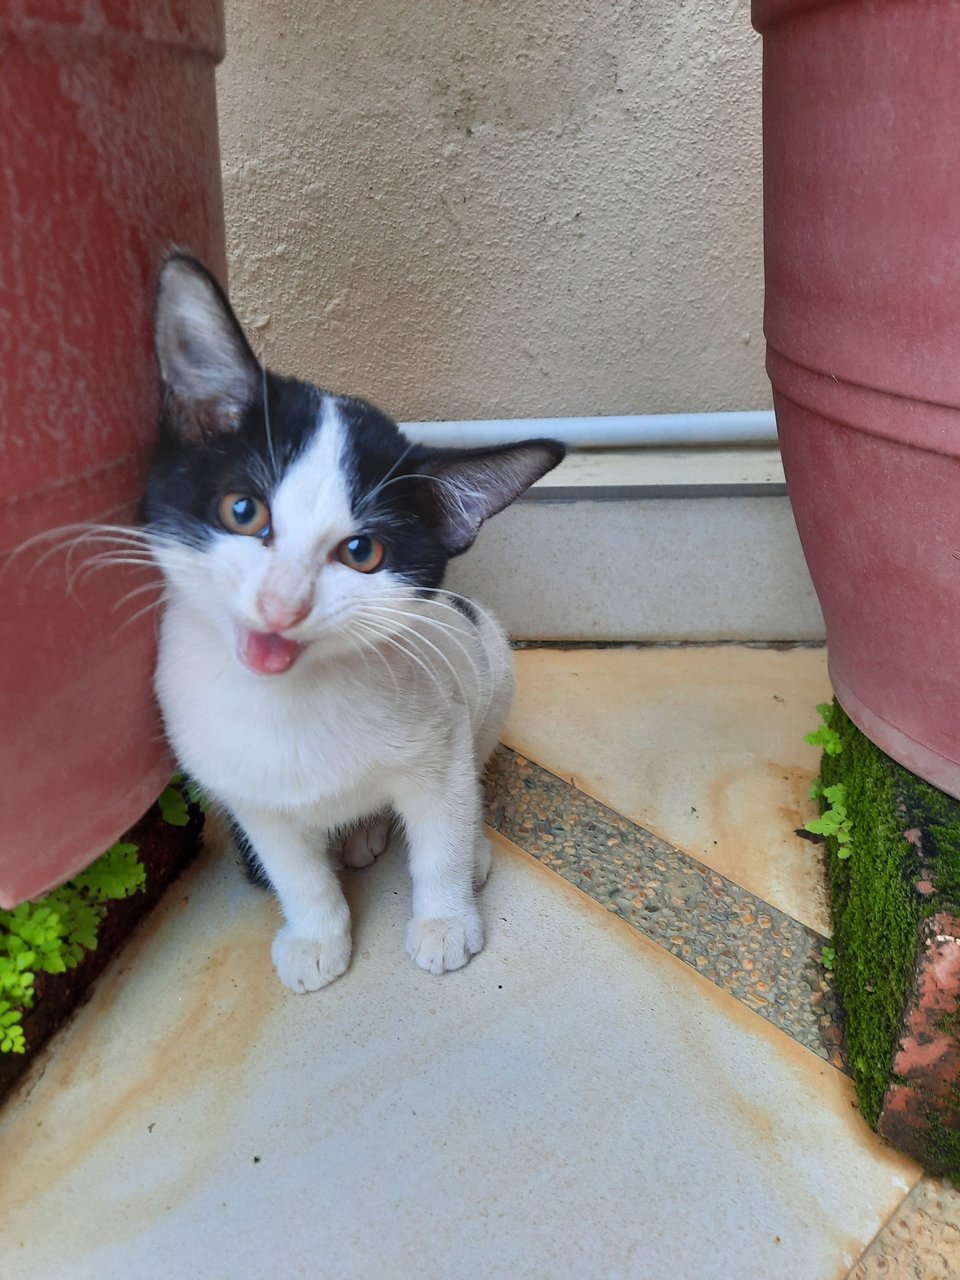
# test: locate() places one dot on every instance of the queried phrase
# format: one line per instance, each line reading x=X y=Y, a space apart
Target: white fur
x=394 y=704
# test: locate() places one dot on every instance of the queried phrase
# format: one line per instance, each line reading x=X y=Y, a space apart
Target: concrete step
x=648 y=546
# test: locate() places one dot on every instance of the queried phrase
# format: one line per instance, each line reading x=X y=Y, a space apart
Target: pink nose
x=281 y=615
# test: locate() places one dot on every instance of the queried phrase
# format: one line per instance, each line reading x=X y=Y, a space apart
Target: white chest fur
x=332 y=739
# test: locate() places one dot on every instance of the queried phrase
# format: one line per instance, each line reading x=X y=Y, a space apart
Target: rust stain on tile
x=752 y=814
x=689 y=733
x=766 y=1126
x=795 y=806
x=204 y=1043
x=828 y=1089
x=832 y=1088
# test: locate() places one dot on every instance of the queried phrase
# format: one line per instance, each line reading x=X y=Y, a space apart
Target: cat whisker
x=162 y=538
x=128 y=622
x=106 y=544
x=387 y=637
x=184 y=565
x=79 y=530
x=131 y=555
x=157 y=585
x=464 y=626
x=477 y=693
x=119 y=557
x=367 y=646
x=472 y=604
x=448 y=632
x=400 y=601
x=71 y=538
x=415 y=637
x=355 y=644
x=94 y=564
x=423 y=603
x=367 y=499
x=266 y=421
x=450 y=490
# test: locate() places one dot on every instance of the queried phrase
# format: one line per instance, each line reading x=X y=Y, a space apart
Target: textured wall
x=486 y=208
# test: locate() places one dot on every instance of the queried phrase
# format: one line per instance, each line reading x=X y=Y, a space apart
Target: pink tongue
x=268 y=654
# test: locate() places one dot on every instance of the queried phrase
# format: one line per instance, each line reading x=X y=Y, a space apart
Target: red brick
x=927 y=1061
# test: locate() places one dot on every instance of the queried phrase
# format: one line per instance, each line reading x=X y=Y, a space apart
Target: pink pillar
x=108 y=154
x=861 y=117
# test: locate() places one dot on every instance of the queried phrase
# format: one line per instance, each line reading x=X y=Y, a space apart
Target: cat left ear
x=206 y=363
x=472 y=486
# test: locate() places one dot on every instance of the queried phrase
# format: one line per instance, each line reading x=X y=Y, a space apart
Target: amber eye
x=363 y=553
x=242 y=513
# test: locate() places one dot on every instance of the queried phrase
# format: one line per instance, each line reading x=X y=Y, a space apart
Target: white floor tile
x=703 y=745
x=575 y=1103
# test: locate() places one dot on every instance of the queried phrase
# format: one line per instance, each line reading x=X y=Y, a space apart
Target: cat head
x=293 y=519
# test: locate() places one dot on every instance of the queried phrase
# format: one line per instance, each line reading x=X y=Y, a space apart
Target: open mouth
x=267 y=653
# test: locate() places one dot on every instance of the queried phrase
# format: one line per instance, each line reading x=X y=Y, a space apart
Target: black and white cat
x=314 y=678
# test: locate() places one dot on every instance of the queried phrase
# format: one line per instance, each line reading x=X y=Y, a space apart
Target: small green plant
x=828 y=958
x=11 y=1032
x=50 y=936
x=825 y=737
x=173 y=807
x=175 y=801
x=833 y=821
x=117 y=874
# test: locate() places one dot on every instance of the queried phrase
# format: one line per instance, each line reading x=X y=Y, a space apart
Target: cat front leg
x=441 y=814
x=313 y=946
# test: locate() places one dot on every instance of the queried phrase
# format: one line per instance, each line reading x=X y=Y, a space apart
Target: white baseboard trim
x=630 y=431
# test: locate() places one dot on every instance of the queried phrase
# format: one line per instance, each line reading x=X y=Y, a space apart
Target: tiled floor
x=702 y=745
x=637 y=1078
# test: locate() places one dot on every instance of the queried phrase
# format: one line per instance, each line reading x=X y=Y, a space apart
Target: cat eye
x=363 y=553
x=242 y=513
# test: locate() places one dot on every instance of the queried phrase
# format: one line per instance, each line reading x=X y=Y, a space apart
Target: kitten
x=314 y=678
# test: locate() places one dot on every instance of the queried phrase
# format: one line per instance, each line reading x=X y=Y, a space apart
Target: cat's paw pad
x=307 y=964
x=365 y=843
x=482 y=862
x=438 y=945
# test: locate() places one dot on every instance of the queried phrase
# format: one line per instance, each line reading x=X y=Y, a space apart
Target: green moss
x=878 y=908
x=52 y=934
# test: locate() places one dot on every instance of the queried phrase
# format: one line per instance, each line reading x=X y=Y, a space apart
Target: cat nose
x=281 y=615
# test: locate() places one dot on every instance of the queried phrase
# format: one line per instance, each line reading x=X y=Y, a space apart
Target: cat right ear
x=210 y=374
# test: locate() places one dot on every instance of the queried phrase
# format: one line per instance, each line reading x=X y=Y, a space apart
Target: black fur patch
x=189 y=477
x=251 y=864
x=466 y=607
x=391 y=496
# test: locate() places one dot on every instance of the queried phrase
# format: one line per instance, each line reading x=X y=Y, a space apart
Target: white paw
x=442 y=944
x=307 y=964
x=366 y=842
x=482 y=861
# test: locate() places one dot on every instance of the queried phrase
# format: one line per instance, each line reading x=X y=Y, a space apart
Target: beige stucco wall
x=489 y=208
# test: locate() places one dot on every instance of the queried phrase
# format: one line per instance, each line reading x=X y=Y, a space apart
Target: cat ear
x=471 y=486
x=206 y=363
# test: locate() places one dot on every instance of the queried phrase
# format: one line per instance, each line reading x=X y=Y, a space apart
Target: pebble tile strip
x=766 y=959
x=921 y=1241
